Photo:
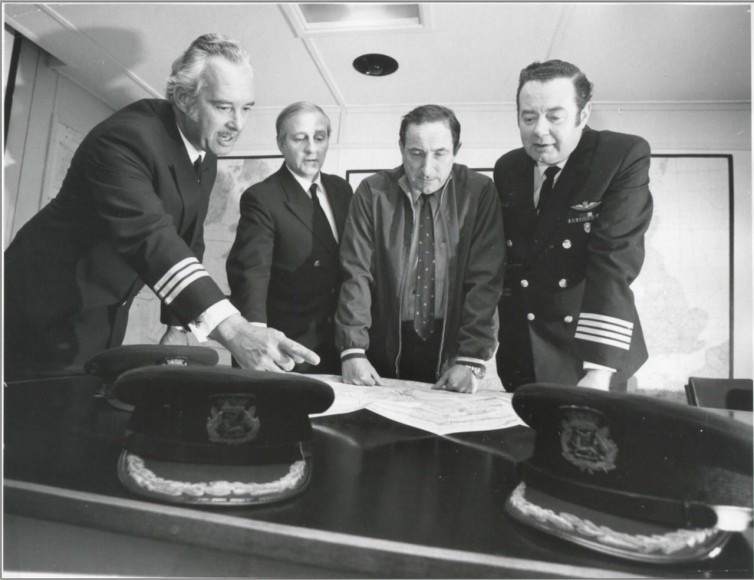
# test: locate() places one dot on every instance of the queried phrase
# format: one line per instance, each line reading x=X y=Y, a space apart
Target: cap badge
x=232 y=420
x=585 y=440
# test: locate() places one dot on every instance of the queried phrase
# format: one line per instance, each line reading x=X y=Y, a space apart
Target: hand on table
x=458 y=378
x=359 y=371
x=596 y=379
x=175 y=336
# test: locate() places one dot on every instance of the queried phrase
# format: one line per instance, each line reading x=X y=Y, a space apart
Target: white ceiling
x=465 y=54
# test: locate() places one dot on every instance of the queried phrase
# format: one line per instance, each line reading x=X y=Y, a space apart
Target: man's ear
x=183 y=100
x=585 y=113
x=457 y=148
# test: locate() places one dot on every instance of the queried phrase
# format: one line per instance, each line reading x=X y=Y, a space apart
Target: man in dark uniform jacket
x=131 y=211
x=283 y=267
x=576 y=206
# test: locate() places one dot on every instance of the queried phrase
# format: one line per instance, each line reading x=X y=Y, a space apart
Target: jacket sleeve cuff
x=474 y=362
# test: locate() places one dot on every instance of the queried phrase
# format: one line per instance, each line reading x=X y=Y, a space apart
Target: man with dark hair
x=283 y=267
x=130 y=212
x=576 y=205
x=422 y=259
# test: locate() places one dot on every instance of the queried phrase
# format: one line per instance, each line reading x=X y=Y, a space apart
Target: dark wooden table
x=385 y=500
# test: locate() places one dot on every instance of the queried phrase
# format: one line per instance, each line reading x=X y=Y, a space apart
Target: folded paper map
x=417 y=405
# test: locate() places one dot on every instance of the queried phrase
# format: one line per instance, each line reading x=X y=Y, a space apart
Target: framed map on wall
x=684 y=291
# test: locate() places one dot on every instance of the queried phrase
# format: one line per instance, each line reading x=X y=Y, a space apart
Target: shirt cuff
x=594 y=366
x=208 y=320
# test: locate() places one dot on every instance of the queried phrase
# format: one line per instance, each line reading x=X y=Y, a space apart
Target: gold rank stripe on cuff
x=178 y=278
x=605 y=330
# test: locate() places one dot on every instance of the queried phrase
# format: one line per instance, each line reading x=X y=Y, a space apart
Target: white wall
x=48 y=113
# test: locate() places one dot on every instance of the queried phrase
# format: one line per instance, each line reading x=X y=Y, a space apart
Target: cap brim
x=216 y=485
x=613 y=535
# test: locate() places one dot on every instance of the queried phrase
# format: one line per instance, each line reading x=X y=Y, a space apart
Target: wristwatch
x=477 y=370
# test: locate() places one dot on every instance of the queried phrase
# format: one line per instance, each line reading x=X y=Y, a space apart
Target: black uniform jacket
x=279 y=271
x=567 y=296
x=130 y=211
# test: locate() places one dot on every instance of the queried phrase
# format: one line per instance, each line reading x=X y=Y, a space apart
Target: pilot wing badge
x=586 y=205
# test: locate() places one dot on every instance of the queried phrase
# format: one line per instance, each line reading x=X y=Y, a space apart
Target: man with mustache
x=130 y=212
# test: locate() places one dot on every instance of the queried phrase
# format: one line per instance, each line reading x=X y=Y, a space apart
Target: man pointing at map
x=576 y=206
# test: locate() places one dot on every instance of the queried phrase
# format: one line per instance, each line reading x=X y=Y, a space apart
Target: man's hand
x=359 y=371
x=175 y=336
x=458 y=378
x=596 y=379
x=260 y=348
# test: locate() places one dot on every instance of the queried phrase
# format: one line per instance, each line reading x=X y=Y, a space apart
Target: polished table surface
x=385 y=499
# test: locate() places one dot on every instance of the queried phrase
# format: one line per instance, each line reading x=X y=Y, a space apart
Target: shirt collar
x=192 y=151
x=542 y=167
x=404 y=185
x=306 y=183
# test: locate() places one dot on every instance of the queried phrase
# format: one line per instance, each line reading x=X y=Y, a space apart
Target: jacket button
x=530 y=316
x=509 y=243
x=567 y=244
x=563 y=283
x=524 y=283
x=317 y=263
x=568 y=319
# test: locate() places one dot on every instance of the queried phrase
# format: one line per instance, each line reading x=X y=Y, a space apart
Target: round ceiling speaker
x=375 y=65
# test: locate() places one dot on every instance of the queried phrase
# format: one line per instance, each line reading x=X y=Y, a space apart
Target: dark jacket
x=130 y=211
x=374 y=255
x=279 y=271
x=567 y=296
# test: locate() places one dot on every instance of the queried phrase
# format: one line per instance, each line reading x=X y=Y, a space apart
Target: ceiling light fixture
x=375 y=65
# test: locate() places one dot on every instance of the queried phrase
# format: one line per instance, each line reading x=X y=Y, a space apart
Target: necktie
x=198 y=168
x=424 y=312
x=320 y=224
x=545 y=192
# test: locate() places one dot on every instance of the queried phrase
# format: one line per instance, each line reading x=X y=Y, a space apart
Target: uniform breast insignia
x=586 y=205
x=232 y=420
x=586 y=208
x=585 y=219
x=585 y=440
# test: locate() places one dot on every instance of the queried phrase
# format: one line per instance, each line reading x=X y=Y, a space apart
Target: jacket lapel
x=181 y=167
x=300 y=204
x=338 y=203
x=567 y=188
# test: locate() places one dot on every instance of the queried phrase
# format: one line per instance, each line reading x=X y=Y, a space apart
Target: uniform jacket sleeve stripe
x=169 y=289
x=172 y=272
x=607 y=319
x=602 y=340
x=201 y=273
x=605 y=333
x=584 y=324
